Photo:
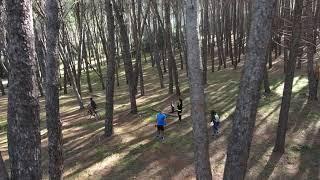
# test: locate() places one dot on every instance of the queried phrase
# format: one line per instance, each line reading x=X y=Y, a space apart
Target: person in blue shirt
x=161 y=122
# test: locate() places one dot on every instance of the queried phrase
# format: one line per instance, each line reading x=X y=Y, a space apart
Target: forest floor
x=134 y=153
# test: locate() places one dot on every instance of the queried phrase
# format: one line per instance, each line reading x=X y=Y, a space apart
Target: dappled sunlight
x=133 y=152
x=299 y=83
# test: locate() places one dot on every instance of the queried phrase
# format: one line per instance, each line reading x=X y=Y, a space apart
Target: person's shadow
x=268 y=169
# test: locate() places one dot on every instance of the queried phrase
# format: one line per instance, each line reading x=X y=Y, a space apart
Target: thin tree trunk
x=200 y=134
x=172 y=66
x=290 y=69
x=205 y=40
x=249 y=95
x=39 y=83
x=54 y=124
x=79 y=7
x=287 y=24
x=311 y=42
x=40 y=52
x=85 y=56
x=72 y=79
x=110 y=70
x=157 y=53
x=24 y=140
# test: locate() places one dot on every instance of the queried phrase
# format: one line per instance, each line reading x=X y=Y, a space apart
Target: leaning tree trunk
x=24 y=140
x=200 y=134
x=288 y=82
x=244 y=116
x=54 y=124
x=85 y=55
x=110 y=70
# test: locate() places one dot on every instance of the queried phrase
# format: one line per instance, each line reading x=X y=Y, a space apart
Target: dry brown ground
x=134 y=153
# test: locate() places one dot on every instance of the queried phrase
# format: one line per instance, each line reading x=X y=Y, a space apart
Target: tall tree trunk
x=127 y=56
x=290 y=68
x=3 y=170
x=172 y=66
x=311 y=42
x=79 y=13
x=200 y=134
x=85 y=56
x=167 y=43
x=205 y=40
x=157 y=53
x=24 y=140
x=54 y=124
x=110 y=70
x=212 y=48
x=286 y=33
x=40 y=52
x=244 y=116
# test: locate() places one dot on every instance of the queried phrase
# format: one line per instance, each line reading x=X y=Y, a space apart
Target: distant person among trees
x=92 y=106
x=215 y=122
x=179 y=110
x=161 y=122
x=180 y=100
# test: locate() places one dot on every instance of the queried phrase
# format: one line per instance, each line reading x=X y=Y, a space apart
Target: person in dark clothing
x=180 y=101
x=179 y=110
x=215 y=122
x=93 y=105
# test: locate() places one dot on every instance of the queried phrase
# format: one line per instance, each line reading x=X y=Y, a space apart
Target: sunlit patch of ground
x=133 y=152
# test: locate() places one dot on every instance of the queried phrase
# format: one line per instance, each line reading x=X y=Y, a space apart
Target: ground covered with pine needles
x=134 y=152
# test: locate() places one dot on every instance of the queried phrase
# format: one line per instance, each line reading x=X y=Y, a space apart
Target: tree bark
x=3 y=170
x=287 y=24
x=127 y=56
x=110 y=70
x=40 y=52
x=311 y=42
x=85 y=56
x=290 y=69
x=172 y=66
x=266 y=83
x=157 y=57
x=54 y=124
x=205 y=40
x=249 y=95
x=24 y=140
x=200 y=134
